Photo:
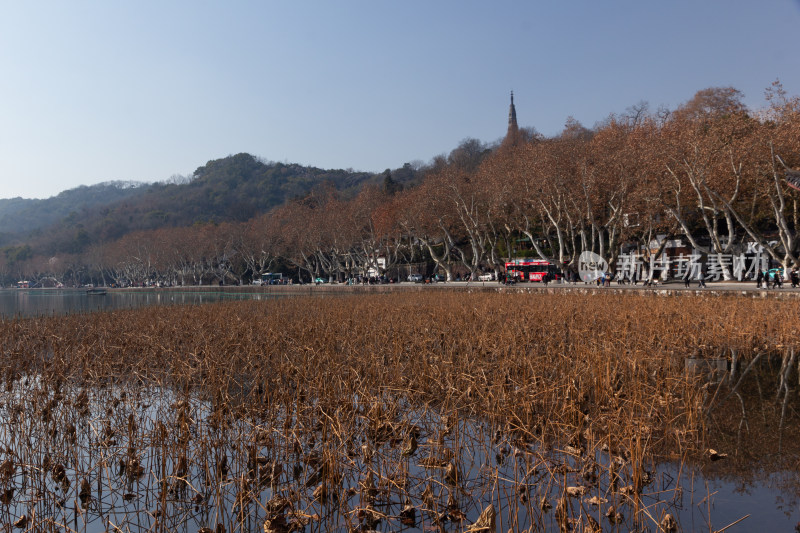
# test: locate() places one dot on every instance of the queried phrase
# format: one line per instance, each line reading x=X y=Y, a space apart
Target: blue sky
x=98 y=91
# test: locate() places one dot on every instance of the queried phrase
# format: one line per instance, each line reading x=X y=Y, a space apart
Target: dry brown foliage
x=348 y=412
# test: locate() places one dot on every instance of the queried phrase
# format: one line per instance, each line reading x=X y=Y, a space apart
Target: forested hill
x=23 y=215
x=241 y=186
x=234 y=188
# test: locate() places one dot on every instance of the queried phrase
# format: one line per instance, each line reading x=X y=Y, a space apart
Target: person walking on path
x=759 y=279
x=795 y=278
x=687 y=279
x=702 y=281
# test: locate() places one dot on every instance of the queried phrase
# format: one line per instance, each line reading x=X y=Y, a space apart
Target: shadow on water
x=129 y=456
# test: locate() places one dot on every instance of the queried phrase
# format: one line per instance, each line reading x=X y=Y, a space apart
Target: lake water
x=263 y=462
x=39 y=302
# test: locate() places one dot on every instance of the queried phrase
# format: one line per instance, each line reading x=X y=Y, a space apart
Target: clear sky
x=98 y=91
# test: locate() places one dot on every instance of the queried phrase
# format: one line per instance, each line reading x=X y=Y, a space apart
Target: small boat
x=96 y=291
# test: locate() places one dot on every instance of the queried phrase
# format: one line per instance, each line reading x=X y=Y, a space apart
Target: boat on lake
x=96 y=291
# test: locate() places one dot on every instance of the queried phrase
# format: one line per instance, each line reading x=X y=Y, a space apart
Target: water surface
x=42 y=302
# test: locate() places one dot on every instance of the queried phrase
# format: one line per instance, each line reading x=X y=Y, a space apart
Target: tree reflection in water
x=751 y=414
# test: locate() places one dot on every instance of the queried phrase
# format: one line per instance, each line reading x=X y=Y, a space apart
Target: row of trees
x=711 y=172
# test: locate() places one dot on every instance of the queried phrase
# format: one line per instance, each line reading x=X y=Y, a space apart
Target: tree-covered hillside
x=22 y=215
x=232 y=189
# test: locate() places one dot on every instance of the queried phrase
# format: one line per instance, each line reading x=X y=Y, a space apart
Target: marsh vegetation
x=427 y=411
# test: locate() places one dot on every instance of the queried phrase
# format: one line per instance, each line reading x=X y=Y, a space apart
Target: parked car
x=486 y=277
x=773 y=271
x=415 y=278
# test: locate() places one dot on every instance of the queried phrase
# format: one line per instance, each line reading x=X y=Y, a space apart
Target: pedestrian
x=702 y=281
x=687 y=279
x=633 y=278
x=759 y=278
x=778 y=279
x=795 y=278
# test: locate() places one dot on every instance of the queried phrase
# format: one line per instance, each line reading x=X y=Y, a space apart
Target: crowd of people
x=774 y=279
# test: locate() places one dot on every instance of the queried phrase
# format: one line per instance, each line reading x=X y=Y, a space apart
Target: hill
x=234 y=188
x=21 y=216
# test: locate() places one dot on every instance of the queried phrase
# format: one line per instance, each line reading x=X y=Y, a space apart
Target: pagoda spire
x=513 y=129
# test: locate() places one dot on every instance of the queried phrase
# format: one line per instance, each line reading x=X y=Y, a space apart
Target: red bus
x=532 y=270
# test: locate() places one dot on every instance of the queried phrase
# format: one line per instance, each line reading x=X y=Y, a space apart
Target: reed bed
x=443 y=412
